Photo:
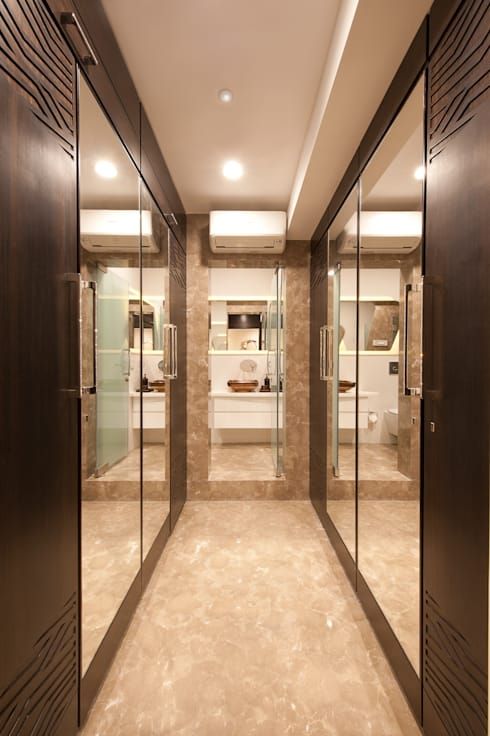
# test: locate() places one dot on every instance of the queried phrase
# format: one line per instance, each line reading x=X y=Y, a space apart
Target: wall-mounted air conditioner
x=247 y=232
x=382 y=232
x=117 y=231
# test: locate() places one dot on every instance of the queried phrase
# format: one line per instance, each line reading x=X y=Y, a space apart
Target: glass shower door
x=112 y=368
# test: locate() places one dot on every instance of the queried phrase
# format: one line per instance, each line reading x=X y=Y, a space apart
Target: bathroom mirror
x=246 y=374
x=339 y=345
x=109 y=256
x=156 y=389
x=388 y=417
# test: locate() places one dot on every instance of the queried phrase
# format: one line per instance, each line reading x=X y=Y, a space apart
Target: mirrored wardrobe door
x=109 y=256
x=339 y=359
x=151 y=328
x=389 y=369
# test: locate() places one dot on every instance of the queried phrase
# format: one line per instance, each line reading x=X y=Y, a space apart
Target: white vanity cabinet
x=347 y=410
x=243 y=410
x=153 y=410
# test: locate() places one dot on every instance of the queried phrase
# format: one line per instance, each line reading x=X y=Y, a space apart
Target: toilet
x=391 y=419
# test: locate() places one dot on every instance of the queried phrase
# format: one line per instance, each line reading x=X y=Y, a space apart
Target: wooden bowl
x=158 y=386
x=345 y=386
x=243 y=386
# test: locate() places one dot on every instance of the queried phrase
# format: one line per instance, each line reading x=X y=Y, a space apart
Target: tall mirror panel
x=109 y=257
x=151 y=327
x=389 y=369
x=338 y=354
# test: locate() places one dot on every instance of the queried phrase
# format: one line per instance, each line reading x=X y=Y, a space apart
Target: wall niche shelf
x=240 y=299
x=370 y=299
x=237 y=352
x=370 y=352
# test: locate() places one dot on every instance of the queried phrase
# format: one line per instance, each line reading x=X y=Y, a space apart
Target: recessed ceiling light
x=225 y=95
x=419 y=173
x=233 y=170
x=105 y=169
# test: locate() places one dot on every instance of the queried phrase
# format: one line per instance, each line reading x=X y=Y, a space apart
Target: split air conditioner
x=117 y=231
x=382 y=232
x=247 y=232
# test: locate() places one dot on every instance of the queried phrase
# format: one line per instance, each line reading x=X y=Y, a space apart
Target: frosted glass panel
x=112 y=368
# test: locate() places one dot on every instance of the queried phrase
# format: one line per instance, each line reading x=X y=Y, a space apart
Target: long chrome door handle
x=323 y=353
x=90 y=388
x=170 y=351
x=329 y=359
x=409 y=390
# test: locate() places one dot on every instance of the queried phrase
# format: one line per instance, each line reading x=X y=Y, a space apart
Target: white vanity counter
x=153 y=409
x=347 y=409
x=247 y=410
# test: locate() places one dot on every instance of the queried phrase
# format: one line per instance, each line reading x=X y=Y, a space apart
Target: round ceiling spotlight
x=225 y=95
x=419 y=173
x=233 y=170
x=105 y=169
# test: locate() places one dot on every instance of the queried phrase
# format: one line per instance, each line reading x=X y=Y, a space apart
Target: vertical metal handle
x=91 y=388
x=170 y=351
x=329 y=359
x=174 y=351
x=70 y=19
x=409 y=390
x=323 y=353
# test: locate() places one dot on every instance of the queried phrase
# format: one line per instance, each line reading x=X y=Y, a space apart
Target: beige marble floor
x=241 y=462
x=376 y=462
x=111 y=540
x=122 y=480
x=389 y=560
x=129 y=467
x=250 y=628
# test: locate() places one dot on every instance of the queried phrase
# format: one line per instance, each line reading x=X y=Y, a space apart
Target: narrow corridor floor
x=250 y=628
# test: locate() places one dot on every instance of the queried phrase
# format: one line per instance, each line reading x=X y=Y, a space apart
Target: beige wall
x=296 y=259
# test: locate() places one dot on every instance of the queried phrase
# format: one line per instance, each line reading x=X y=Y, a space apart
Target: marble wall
x=296 y=259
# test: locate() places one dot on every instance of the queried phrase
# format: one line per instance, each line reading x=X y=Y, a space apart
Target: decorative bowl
x=243 y=386
x=345 y=386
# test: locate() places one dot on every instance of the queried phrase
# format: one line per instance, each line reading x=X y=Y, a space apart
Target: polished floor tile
x=234 y=462
x=250 y=628
x=389 y=560
x=111 y=550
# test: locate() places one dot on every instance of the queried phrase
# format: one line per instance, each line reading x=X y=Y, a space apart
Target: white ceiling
x=307 y=77
x=98 y=141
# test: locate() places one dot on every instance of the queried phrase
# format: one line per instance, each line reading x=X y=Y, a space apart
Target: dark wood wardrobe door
x=38 y=372
x=457 y=369
x=318 y=388
x=178 y=396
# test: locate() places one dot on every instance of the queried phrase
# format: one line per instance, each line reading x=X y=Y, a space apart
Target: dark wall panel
x=457 y=394
x=157 y=176
x=38 y=375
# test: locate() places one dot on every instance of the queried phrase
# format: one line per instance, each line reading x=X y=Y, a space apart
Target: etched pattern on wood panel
x=178 y=261
x=454 y=682
x=33 y=56
x=37 y=699
x=459 y=73
x=319 y=264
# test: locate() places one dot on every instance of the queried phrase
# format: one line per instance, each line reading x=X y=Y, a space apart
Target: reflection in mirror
x=109 y=265
x=388 y=418
x=341 y=371
x=246 y=373
x=155 y=390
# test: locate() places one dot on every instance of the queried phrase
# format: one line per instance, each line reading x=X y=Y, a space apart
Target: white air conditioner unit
x=117 y=231
x=247 y=232
x=382 y=232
